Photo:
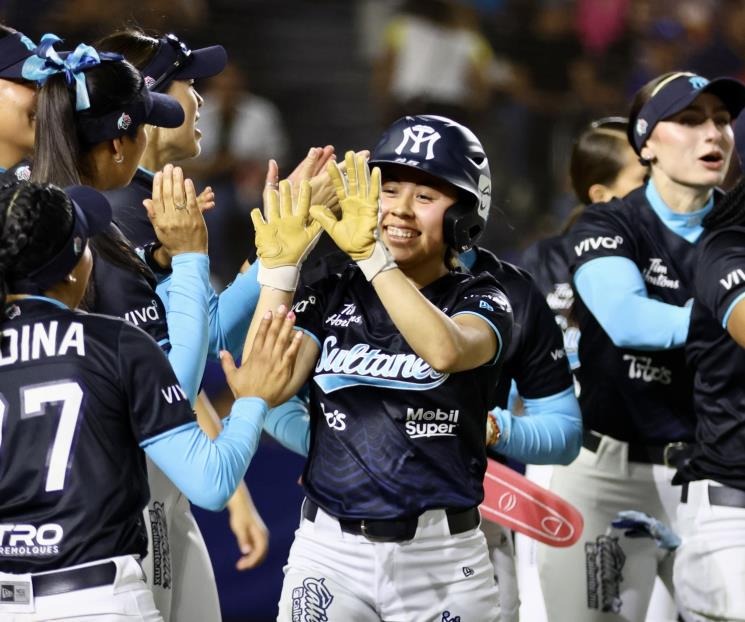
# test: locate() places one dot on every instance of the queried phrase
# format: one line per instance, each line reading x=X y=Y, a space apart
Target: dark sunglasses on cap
x=183 y=56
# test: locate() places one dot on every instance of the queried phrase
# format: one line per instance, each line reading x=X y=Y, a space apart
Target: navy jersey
x=129 y=213
x=536 y=359
x=126 y=293
x=390 y=436
x=634 y=395
x=718 y=362
x=548 y=261
x=78 y=394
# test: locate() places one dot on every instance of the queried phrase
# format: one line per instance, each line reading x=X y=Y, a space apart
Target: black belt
x=719 y=495
x=64 y=581
x=647 y=454
x=401 y=530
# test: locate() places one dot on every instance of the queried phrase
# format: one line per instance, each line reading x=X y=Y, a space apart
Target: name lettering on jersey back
x=173 y=393
x=656 y=274
x=24 y=540
x=641 y=368
x=422 y=423
x=42 y=339
x=143 y=314
x=733 y=278
x=339 y=368
x=593 y=244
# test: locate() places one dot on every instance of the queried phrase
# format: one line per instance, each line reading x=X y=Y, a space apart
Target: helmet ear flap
x=461 y=225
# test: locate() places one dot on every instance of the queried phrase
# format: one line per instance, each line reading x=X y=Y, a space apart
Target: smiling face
x=693 y=147
x=413 y=208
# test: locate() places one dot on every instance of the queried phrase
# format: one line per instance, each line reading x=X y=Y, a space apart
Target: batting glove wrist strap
x=284 y=278
x=379 y=261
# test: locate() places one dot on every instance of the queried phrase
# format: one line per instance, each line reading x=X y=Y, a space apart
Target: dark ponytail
x=62 y=156
x=35 y=222
x=132 y=43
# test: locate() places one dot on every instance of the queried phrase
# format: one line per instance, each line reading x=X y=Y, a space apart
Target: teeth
x=401 y=233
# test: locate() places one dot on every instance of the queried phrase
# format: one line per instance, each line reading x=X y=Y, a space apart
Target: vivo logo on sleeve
x=593 y=244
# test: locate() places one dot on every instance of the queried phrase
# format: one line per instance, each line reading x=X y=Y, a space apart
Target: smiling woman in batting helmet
x=411 y=141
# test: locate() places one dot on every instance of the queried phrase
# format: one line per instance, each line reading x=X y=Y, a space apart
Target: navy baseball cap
x=677 y=92
x=91 y=215
x=174 y=60
x=146 y=107
x=14 y=50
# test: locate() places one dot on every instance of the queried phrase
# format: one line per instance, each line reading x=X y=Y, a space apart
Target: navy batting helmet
x=450 y=151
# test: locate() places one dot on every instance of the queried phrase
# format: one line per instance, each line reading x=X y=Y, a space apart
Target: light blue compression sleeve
x=614 y=291
x=187 y=290
x=549 y=433
x=289 y=424
x=208 y=471
x=229 y=313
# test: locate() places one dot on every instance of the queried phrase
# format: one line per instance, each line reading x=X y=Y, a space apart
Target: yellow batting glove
x=285 y=236
x=357 y=232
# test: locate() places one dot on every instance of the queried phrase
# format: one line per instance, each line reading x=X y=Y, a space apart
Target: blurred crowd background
x=525 y=75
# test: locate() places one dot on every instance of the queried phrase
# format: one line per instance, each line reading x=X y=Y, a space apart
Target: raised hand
x=357 y=231
x=174 y=213
x=285 y=235
x=270 y=363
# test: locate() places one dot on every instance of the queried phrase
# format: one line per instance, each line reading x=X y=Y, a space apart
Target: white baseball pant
x=126 y=599
x=605 y=576
x=435 y=577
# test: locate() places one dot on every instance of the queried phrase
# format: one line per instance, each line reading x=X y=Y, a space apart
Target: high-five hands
x=174 y=213
x=357 y=231
x=269 y=366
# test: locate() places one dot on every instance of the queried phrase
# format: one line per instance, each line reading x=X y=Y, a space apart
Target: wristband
x=284 y=278
x=379 y=261
x=148 y=250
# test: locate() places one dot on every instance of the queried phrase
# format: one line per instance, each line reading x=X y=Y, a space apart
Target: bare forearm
x=269 y=300
x=435 y=337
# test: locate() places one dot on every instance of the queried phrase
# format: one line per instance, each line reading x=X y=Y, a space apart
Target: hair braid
x=35 y=220
x=728 y=211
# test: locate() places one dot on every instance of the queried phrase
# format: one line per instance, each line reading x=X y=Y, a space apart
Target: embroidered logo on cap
x=149 y=81
x=697 y=82
x=641 y=126
x=124 y=122
x=23 y=173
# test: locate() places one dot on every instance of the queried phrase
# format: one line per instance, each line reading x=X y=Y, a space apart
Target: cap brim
x=93 y=210
x=205 y=63
x=14 y=71
x=731 y=92
x=166 y=111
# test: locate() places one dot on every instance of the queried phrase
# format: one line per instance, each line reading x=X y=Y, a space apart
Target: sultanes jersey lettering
x=78 y=394
x=418 y=432
x=634 y=395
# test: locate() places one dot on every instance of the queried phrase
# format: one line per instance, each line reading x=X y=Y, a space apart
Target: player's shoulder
x=333 y=266
x=721 y=239
x=514 y=280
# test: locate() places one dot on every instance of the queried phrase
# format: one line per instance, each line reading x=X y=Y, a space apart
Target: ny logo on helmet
x=419 y=134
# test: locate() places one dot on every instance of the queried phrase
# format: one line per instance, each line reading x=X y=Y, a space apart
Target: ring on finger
x=271 y=184
x=179 y=205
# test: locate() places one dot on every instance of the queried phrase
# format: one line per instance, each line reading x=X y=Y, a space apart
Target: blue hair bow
x=48 y=62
